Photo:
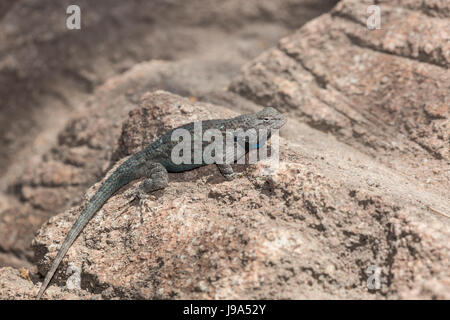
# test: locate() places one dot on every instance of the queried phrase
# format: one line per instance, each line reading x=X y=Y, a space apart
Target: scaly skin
x=153 y=163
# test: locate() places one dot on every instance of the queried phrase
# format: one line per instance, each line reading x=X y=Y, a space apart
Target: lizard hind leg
x=156 y=178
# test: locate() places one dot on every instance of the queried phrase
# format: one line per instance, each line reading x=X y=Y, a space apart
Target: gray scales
x=155 y=161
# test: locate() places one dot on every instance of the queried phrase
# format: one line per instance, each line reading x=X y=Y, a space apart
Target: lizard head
x=268 y=118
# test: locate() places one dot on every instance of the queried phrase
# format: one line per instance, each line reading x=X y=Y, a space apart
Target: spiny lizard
x=155 y=161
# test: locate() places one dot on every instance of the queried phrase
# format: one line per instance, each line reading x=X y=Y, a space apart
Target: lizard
x=155 y=161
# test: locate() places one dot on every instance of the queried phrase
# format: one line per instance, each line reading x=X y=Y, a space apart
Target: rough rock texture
x=17 y=284
x=309 y=230
x=362 y=182
x=48 y=73
x=88 y=146
x=384 y=92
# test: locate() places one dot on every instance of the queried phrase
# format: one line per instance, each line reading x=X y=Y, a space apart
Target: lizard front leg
x=157 y=178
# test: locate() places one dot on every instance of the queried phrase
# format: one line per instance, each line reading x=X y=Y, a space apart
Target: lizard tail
x=118 y=179
x=70 y=238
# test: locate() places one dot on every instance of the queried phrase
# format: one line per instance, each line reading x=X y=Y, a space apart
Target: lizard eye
x=266 y=119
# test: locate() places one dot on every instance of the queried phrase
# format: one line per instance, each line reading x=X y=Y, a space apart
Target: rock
x=15 y=237
x=310 y=230
x=13 y=285
x=379 y=91
x=92 y=141
x=63 y=105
